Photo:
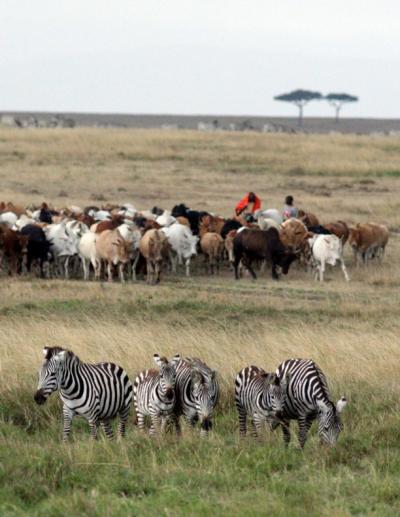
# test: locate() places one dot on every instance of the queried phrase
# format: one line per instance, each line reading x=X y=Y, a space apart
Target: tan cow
x=229 y=244
x=294 y=235
x=155 y=248
x=212 y=246
x=113 y=249
x=368 y=241
x=211 y=224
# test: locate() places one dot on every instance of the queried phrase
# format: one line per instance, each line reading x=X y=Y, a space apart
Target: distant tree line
x=302 y=97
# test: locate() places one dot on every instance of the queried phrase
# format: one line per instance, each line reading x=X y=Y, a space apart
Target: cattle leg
x=134 y=264
x=275 y=275
x=157 y=272
x=121 y=272
x=236 y=267
x=187 y=266
x=109 y=272
x=321 y=271
x=249 y=268
x=342 y=265
x=85 y=269
x=66 y=268
x=150 y=272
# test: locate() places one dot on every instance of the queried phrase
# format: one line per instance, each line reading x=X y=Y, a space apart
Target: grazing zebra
x=260 y=395
x=308 y=399
x=154 y=395
x=196 y=391
x=98 y=392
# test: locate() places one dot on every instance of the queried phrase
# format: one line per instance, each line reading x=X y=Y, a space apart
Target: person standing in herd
x=243 y=204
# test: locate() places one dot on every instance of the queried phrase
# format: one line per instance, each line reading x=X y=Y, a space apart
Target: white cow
x=63 y=244
x=9 y=218
x=132 y=235
x=166 y=219
x=271 y=213
x=87 y=252
x=183 y=244
x=266 y=222
x=326 y=249
x=23 y=220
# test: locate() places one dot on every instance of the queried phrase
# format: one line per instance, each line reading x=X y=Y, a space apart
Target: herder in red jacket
x=246 y=201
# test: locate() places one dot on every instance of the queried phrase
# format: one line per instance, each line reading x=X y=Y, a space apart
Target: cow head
x=354 y=237
x=285 y=260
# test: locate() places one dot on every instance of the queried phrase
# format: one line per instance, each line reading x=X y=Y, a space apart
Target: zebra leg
x=123 y=418
x=257 y=425
x=140 y=422
x=304 y=426
x=155 y=425
x=286 y=431
x=67 y=423
x=177 y=424
x=107 y=429
x=93 y=428
x=242 y=420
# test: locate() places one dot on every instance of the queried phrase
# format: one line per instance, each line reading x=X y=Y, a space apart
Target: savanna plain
x=350 y=330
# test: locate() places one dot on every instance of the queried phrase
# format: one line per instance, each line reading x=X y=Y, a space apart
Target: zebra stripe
x=154 y=396
x=308 y=399
x=196 y=391
x=259 y=395
x=98 y=392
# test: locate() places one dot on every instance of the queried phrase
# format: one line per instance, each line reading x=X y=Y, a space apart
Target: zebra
x=260 y=395
x=154 y=395
x=308 y=399
x=196 y=391
x=98 y=392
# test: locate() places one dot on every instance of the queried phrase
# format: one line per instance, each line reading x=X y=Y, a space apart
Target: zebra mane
x=51 y=351
x=324 y=384
x=200 y=368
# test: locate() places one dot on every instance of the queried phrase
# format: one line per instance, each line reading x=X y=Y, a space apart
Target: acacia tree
x=300 y=98
x=337 y=100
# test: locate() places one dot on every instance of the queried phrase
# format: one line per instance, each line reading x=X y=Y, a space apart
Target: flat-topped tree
x=338 y=99
x=300 y=98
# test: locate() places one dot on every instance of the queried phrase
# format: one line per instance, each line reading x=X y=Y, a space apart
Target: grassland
x=350 y=330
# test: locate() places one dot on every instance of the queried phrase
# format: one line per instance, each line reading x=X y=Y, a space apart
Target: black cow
x=194 y=216
x=229 y=225
x=38 y=246
x=320 y=230
x=249 y=245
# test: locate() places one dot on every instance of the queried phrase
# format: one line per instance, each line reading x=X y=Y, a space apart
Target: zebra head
x=205 y=393
x=329 y=421
x=49 y=373
x=277 y=390
x=167 y=374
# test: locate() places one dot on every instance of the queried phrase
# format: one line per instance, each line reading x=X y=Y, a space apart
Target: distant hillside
x=201 y=122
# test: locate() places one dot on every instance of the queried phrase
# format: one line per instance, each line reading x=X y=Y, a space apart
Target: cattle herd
x=298 y=390
x=120 y=240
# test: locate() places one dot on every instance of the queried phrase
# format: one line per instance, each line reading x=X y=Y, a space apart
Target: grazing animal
x=250 y=245
x=194 y=216
x=229 y=246
x=212 y=246
x=183 y=244
x=154 y=394
x=115 y=250
x=340 y=229
x=368 y=241
x=270 y=213
x=38 y=248
x=229 y=225
x=196 y=391
x=326 y=249
x=307 y=399
x=308 y=218
x=63 y=244
x=8 y=218
x=154 y=247
x=13 y=247
x=211 y=223
x=87 y=252
x=98 y=392
x=294 y=235
x=259 y=395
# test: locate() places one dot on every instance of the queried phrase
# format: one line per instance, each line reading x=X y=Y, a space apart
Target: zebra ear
x=341 y=404
x=60 y=356
x=213 y=375
x=157 y=360
x=175 y=360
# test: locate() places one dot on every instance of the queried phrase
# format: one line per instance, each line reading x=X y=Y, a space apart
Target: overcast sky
x=200 y=56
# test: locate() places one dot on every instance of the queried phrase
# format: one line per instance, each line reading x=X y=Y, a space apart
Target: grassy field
x=351 y=330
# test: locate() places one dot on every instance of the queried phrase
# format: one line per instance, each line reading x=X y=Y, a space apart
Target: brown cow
x=13 y=247
x=112 y=224
x=294 y=235
x=183 y=220
x=155 y=248
x=308 y=218
x=368 y=241
x=212 y=246
x=340 y=229
x=211 y=224
x=115 y=250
